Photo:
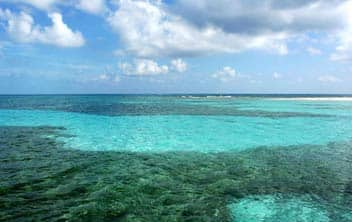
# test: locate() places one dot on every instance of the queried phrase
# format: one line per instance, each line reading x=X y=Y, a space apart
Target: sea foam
x=333 y=99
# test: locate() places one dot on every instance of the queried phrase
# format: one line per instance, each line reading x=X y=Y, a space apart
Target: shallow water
x=280 y=208
x=143 y=158
x=171 y=123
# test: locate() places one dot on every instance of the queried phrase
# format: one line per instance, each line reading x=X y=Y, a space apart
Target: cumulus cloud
x=200 y=27
x=262 y=16
x=149 y=67
x=225 y=74
x=92 y=6
x=179 y=65
x=152 y=28
x=149 y=30
x=332 y=18
x=328 y=79
x=22 y=28
x=143 y=67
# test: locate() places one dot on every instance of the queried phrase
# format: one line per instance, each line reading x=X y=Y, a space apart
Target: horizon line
x=171 y=94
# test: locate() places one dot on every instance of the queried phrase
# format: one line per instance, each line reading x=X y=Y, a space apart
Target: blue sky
x=175 y=46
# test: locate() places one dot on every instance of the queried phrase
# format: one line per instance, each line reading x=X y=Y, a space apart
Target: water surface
x=176 y=158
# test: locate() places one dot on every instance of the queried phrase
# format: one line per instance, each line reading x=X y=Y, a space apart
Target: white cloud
x=260 y=16
x=343 y=50
x=314 y=51
x=40 y=4
x=179 y=65
x=149 y=67
x=226 y=74
x=200 y=27
x=109 y=78
x=92 y=6
x=277 y=75
x=102 y=78
x=144 y=67
x=328 y=79
x=22 y=28
x=149 y=30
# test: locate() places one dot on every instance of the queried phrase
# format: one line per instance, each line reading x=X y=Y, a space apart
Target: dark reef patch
x=142 y=105
x=42 y=181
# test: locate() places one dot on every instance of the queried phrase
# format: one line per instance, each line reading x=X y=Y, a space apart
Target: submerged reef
x=141 y=106
x=41 y=180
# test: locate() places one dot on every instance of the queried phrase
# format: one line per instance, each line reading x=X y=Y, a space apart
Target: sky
x=175 y=46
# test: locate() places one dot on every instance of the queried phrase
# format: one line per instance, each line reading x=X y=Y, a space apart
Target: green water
x=174 y=158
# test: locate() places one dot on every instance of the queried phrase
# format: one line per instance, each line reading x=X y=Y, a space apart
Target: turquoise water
x=232 y=124
x=192 y=158
x=278 y=208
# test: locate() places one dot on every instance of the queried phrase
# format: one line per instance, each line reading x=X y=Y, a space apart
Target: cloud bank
x=149 y=30
x=152 y=29
x=201 y=27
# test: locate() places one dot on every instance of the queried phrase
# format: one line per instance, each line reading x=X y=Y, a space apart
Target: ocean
x=213 y=157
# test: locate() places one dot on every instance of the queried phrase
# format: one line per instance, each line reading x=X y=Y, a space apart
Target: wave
x=314 y=99
x=206 y=97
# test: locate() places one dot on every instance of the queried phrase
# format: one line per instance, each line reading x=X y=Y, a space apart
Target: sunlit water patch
x=182 y=132
x=269 y=208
